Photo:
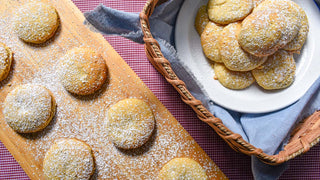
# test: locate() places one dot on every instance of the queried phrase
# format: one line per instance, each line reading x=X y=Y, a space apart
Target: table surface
x=235 y=165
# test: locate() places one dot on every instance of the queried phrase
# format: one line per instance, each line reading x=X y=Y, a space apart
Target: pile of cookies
x=252 y=41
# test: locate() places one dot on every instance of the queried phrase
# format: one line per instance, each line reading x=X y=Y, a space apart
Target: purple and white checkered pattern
x=234 y=165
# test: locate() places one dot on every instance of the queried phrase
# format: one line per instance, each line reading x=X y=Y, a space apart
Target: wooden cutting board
x=83 y=117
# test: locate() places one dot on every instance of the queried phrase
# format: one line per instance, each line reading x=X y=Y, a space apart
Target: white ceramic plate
x=253 y=99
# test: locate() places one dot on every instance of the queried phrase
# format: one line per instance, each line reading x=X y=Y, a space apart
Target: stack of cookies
x=252 y=41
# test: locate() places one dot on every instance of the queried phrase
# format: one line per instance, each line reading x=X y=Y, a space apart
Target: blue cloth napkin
x=268 y=131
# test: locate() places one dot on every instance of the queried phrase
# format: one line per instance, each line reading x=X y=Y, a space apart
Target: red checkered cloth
x=234 y=165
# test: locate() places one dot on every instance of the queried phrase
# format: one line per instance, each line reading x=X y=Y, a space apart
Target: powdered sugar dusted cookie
x=29 y=108
x=296 y=44
x=36 y=22
x=232 y=79
x=209 y=41
x=277 y=72
x=228 y=11
x=291 y=14
x=182 y=168
x=202 y=19
x=68 y=159
x=232 y=55
x=5 y=61
x=261 y=32
x=82 y=71
x=271 y=26
x=130 y=123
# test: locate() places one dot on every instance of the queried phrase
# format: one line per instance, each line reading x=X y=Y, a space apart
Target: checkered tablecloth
x=233 y=164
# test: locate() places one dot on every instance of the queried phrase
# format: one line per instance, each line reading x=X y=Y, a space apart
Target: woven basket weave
x=305 y=135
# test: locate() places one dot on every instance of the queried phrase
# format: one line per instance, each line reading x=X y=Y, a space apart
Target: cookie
x=228 y=11
x=182 y=168
x=82 y=71
x=36 y=22
x=291 y=13
x=5 y=61
x=201 y=19
x=277 y=72
x=232 y=55
x=130 y=123
x=296 y=44
x=232 y=79
x=209 y=41
x=29 y=108
x=68 y=159
x=261 y=32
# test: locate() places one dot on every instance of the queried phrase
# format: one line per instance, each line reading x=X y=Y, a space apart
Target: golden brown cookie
x=209 y=41
x=277 y=72
x=296 y=44
x=232 y=55
x=291 y=14
x=182 y=168
x=36 y=22
x=201 y=19
x=232 y=79
x=130 y=123
x=29 y=108
x=68 y=159
x=228 y=11
x=82 y=71
x=5 y=61
x=262 y=31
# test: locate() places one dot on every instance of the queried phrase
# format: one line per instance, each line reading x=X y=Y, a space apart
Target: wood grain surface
x=84 y=117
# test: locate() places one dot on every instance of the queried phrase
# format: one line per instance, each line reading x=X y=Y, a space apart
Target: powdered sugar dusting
x=82 y=71
x=297 y=43
x=130 y=123
x=290 y=16
x=210 y=41
x=232 y=79
x=35 y=22
x=68 y=159
x=277 y=72
x=5 y=61
x=271 y=26
x=182 y=168
x=3 y=54
x=232 y=55
x=228 y=11
x=261 y=32
x=29 y=108
x=201 y=19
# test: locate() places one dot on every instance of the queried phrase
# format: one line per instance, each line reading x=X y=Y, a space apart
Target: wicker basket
x=305 y=135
